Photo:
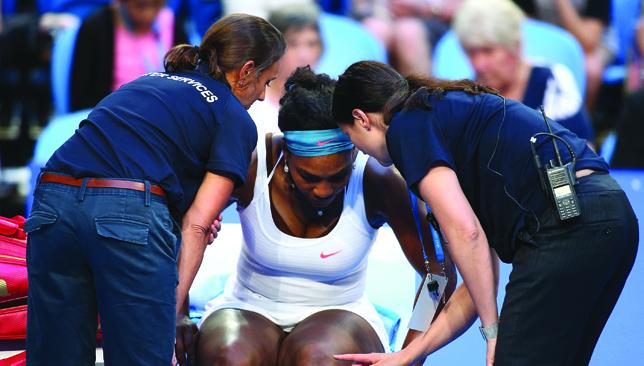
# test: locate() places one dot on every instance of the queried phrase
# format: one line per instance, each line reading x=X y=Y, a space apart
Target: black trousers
x=566 y=278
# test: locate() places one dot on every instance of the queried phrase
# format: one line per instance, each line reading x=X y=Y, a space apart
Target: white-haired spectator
x=490 y=33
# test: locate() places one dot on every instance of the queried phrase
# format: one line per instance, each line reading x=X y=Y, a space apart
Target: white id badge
x=427 y=304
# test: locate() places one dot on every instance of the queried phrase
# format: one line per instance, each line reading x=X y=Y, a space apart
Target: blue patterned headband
x=317 y=142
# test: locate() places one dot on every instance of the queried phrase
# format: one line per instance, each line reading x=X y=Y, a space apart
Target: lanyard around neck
x=436 y=238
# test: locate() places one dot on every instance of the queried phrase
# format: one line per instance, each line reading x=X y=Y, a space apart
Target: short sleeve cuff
x=229 y=171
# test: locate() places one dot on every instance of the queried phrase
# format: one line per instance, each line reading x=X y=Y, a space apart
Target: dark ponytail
x=376 y=87
x=181 y=58
x=228 y=44
x=209 y=57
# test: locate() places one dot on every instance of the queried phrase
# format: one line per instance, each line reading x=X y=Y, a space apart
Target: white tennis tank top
x=324 y=271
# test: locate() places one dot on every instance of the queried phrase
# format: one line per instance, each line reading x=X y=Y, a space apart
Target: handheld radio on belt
x=558 y=179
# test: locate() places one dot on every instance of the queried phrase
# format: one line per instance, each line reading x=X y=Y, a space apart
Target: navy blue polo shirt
x=169 y=129
x=485 y=140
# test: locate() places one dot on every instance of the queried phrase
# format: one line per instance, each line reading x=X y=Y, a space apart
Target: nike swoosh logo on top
x=322 y=143
x=324 y=256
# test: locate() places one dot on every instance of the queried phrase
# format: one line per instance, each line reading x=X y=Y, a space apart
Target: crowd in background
x=113 y=42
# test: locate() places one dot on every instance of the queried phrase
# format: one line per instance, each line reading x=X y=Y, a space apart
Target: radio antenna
x=554 y=143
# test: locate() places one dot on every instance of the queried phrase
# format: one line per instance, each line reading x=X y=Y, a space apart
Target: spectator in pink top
x=118 y=43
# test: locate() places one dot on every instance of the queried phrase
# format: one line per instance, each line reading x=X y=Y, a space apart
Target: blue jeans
x=106 y=251
x=566 y=278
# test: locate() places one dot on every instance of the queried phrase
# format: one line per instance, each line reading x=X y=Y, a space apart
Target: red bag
x=13 y=285
x=13 y=323
x=13 y=262
x=19 y=359
x=13 y=279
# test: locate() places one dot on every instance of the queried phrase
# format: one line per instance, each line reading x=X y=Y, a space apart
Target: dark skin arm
x=187 y=337
x=396 y=210
x=244 y=194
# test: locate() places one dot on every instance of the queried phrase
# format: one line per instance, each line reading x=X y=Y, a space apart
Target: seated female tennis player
x=309 y=212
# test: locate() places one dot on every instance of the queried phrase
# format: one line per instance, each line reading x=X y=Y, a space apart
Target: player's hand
x=185 y=346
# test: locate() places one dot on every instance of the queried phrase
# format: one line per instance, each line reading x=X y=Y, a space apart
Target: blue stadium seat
x=61 y=63
x=8 y=7
x=58 y=130
x=542 y=42
x=202 y=13
x=340 y=7
x=345 y=42
x=80 y=8
x=608 y=146
x=625 y=14
x=624 y=17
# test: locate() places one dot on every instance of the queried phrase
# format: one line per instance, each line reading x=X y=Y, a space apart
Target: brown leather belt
x=100 y=183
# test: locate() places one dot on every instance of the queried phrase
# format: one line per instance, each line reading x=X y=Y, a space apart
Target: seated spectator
x=321 y=41
x=118 y=43
x=490 y=34
x=408 y=29
x=344 y=40
x=587 y=20
x=299 y=25
x=309 y=216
